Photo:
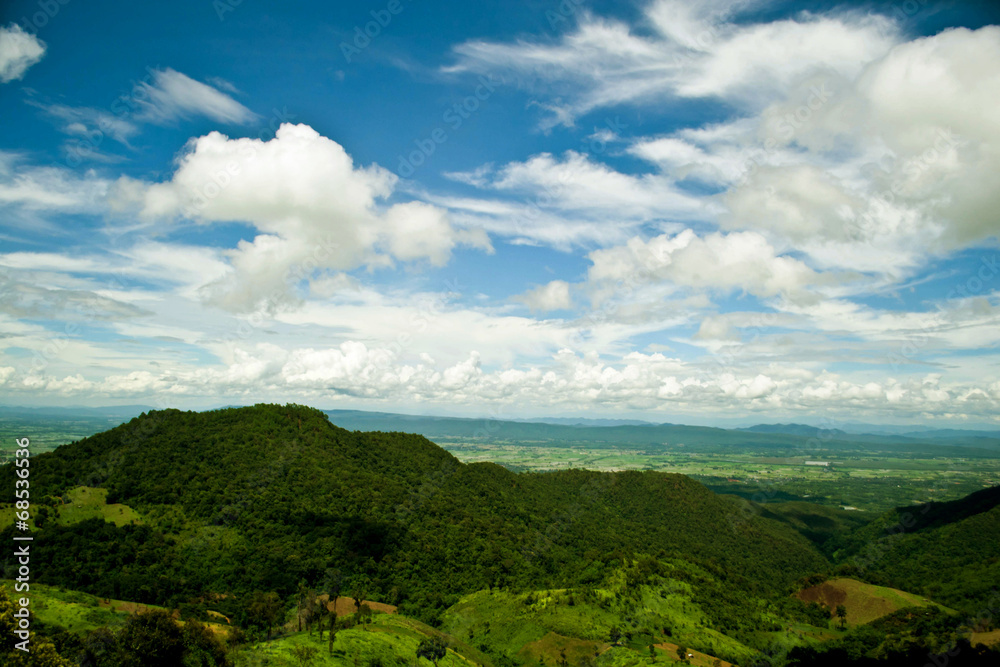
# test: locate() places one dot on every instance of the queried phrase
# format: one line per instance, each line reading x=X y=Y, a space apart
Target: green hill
x=949 y=551
x=261 y=498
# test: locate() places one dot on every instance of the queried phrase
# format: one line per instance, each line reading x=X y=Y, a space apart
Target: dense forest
x=264 y=497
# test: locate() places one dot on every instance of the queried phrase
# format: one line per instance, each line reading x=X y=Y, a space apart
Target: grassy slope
x=79 y=504
x=864 y=602
x=538 y=625
x=948 y=551
x=79 y=612
x=389 y=638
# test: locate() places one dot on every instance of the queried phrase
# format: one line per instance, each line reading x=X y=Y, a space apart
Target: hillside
x=949 y=551
x=262 y=498
x=863 y=602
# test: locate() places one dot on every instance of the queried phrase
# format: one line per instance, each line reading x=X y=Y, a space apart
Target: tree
x=682 y=653
x=320 y=615
x=360 y=590
x=842 y=615
x=333 y=582
x=333 y=629
x=153 y=638
x=302 y=595
x=433 y=649
x=265 y=610
x=201 y=646
x=615 y=635
x=304 y=654
x=43 y=653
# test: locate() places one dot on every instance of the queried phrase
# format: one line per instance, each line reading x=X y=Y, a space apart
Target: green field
x=859 y=479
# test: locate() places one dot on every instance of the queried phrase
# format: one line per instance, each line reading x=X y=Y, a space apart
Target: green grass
x=867 y=479
x=72 y=610
x=388 y=638
x=864 y=602
x=79 y=504
x=538 y=625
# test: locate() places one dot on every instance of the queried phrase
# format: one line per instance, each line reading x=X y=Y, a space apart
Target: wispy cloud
x=173 y=95
x=682 y=50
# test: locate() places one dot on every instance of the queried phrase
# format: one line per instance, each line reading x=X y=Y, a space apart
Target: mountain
x=953 y=434
x=583 y=421
x=794 y=429
x=946 y=550
x=791 y=439
x=121 y=412
x=261 y=498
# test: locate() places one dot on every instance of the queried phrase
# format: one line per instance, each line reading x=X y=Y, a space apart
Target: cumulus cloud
x=870 y=171
x=19 y=50
x=737 y=261
x=716 y=328
x=314 y=211
x=551 y=296
x=636 y=381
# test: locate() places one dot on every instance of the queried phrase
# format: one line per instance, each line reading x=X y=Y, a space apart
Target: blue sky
x=673 y=210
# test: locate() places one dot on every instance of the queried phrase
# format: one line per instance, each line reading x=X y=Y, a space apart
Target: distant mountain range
x=596 y=432
x=921 y=433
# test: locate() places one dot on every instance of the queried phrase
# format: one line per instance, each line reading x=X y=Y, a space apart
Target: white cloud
x=86 y=122
x=737 y=261
x=313 y=209
x=571 y=200
x=19 y=50
x=20 y=298
x=694 y=52
x=49 y=188
x=551 y=296
x=567 y=380
x=871 y=172
x=578 y=184
x=717 y=328
x=172 y=95
x=420 y=231
x=924 y=94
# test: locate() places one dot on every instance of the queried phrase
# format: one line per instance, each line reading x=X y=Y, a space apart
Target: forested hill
x=946 y=550
x=264 y=497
